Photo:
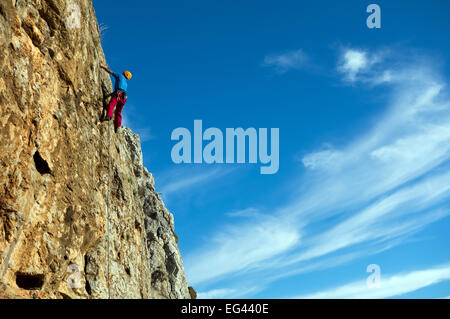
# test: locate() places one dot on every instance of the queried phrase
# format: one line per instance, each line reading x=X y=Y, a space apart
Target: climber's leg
x=118 y=116
x=118 y=113
x=112 y=105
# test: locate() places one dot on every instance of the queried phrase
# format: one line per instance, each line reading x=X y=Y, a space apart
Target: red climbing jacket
x=118 y=100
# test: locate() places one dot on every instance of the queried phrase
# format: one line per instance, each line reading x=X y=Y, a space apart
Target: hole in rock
x=41 y=164
x=29 y=281
x=88 y=288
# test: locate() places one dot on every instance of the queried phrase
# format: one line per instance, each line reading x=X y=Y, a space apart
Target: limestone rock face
x=79 y=214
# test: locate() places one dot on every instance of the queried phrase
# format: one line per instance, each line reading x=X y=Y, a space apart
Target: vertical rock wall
x=60 y=169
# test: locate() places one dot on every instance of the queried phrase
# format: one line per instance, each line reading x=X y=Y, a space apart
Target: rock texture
x=62 y=172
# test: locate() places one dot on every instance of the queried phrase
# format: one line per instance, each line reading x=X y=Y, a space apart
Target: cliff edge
x=79 y=214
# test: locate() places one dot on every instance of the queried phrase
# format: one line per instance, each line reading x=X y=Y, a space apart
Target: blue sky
x=364 y=120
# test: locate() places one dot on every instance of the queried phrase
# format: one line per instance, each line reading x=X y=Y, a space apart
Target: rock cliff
x=79 y=214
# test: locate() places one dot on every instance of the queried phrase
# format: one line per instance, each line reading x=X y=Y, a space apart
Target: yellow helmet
x=127 y=74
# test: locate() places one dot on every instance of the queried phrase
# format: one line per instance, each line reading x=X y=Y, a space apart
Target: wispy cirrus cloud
x=145 y=134
x=247 y=212
x=391 y=285
x=321 y=159
x=180 y=180
x=240 y=247
x=130 y=121
x=216 y=293
x=386 y=184
x=283 y=62
x=227 y=293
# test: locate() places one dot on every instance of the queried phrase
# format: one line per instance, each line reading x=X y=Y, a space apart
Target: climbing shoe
x=106 y=118
x=116 y=129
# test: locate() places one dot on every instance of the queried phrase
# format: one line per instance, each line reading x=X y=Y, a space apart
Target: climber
x=118 y=97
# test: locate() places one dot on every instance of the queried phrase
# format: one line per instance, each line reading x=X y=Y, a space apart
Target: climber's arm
x=107 y=70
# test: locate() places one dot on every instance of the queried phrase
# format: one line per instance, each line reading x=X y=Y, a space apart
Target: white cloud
x=241 y=247
x=216 y=293
x=354 y=62
x=321 y=159
x=179 y=180
x=247 y=212
x=227 y=293
x=391 y=286
x=383 y=77
x=145 y=134
x=390 y=217
x=286 y=61
x=129 y=121
x=410 y=140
